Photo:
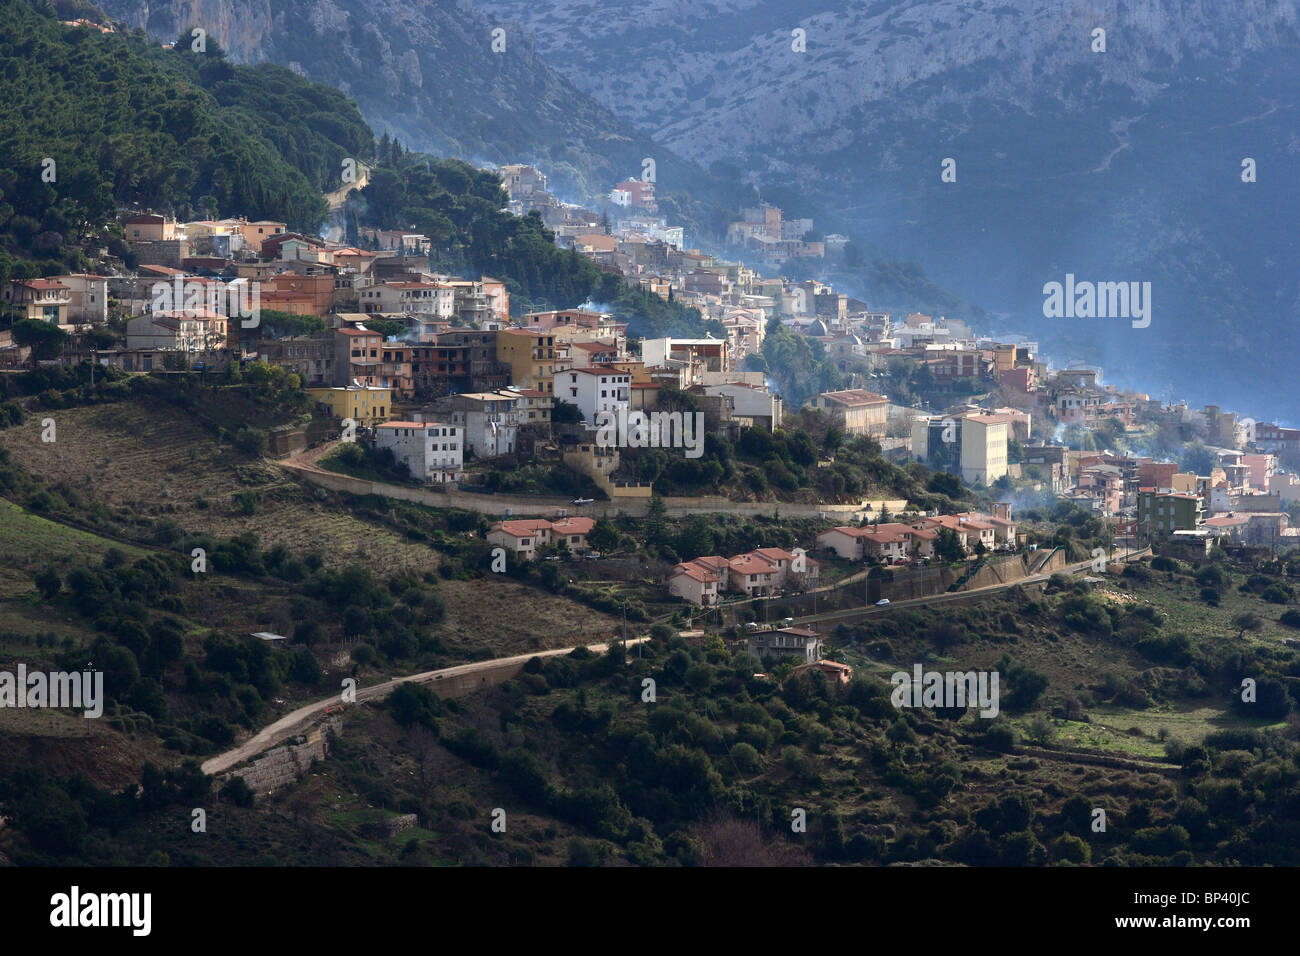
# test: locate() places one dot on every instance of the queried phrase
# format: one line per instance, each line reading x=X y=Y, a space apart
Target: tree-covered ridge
x=462 y=211
x=128 y=122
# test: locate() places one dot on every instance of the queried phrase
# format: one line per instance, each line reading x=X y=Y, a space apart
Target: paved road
x=292 y=723
x=836 y=617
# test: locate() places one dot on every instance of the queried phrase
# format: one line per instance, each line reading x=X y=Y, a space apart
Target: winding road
x=294 y=722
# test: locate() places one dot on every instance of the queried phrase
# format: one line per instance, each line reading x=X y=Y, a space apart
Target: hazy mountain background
x=426 y=73
x=1123 y=165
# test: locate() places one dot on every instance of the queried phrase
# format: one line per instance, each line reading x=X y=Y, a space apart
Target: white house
x=431 y=451
x=602 y=388
x=88 y=298
x=693 y=583
x=524 y=536
x=427 y=298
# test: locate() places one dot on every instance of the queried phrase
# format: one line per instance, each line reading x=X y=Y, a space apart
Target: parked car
x=593 y=555
x=787 y=621
x=882 y=602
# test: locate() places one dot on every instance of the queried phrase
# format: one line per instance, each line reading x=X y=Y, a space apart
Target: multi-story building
x=357 y=357
x=530 y=354
x=858 y=411
x=523 y=537
x=431 y=451
x=364 y=405
x=87 y=298
x=594 y=390
x=187 y=331
x=537 y=406
x=693 y=583
x=310 y=356
x=44 y=299
x=486 y=372
x=1160 y=513
x=798 y=642
x=974 y=445
x=491 y=420
x=424 y=298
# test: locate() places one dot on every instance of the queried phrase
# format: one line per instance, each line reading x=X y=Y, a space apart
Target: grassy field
x=156 y=463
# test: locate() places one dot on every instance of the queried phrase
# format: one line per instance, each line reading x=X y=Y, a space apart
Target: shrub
x=746 y=758
x=238 y=792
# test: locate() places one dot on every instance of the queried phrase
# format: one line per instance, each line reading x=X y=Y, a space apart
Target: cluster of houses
x=522 y=537
x=763 y=572
x=913 y=540
x=461 y=362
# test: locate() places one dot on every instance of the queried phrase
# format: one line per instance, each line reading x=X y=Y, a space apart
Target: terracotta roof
x=573 y=525
x=715 y=562
x=524 y=528
x=693 y=570
x=749 y=565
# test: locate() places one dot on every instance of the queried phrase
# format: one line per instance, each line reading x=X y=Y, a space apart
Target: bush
x=999 y=736
x=238 y=792
x=746 y=758
x=252 y=441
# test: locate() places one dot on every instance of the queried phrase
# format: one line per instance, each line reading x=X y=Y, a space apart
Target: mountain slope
x=428 y=74
x=1115 y=166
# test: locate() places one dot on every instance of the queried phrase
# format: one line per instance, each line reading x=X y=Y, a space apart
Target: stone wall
x=285 y=764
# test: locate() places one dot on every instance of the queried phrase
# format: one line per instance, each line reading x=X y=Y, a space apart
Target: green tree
x=45 y=339
x=48 y=583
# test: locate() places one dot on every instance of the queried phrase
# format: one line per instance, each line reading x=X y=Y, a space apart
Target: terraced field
x=164 y=465
x=157 y=465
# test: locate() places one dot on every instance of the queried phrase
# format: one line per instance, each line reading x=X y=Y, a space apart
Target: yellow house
x=255 y=233
x=364 y=404
x=859 y=412
x=531 y=357
x=149 y=227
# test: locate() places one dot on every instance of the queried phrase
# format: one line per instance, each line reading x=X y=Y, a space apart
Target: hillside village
x=378 y=534
x=438 y=372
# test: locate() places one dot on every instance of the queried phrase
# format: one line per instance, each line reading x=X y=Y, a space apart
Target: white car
x=882 y=602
